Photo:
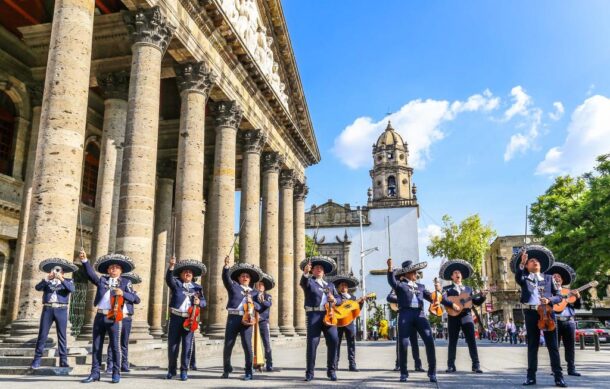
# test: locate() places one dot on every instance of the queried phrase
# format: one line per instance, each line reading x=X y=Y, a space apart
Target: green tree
x=467 y=240
x=311 y=248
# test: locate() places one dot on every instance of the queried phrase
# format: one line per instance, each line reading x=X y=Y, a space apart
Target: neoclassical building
x=129 y=126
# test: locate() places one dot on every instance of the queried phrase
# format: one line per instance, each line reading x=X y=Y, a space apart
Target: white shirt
x=414 y=299
x=54 y=282
x=186 y=304
x=105 y=302
x=535 y=297
x=459 y=287
x=324 y=298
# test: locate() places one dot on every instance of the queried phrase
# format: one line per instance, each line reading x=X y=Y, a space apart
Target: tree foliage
x=573 y=220
x=468 y=240
x=311 y=248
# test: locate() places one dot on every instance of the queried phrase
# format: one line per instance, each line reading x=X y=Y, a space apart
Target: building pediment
x=331 y=214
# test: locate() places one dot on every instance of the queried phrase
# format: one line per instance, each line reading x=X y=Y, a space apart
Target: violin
x=250 y=317
x=330 y=319
x=437 y=296
x=116 y=307
x=545 y=315
x=191 y=323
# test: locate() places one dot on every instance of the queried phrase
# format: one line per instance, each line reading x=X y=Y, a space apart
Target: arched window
x=7 y=134
x=92 y=163
x=391 y=186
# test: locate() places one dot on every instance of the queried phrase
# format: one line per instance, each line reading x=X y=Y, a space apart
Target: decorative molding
x=149 y=27
x=287 y=178
x=227 y=114
x=114 y=85
x=195 y=77
x=272 y=162
x=35 y=91
x=253 y=141
x=300 y=192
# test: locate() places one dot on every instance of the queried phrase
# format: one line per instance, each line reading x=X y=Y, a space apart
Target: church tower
x=391 y=175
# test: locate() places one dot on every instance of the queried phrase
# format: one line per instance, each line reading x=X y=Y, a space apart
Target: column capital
x=253 y=141
x=149 y=27
x=300 y=191
x=287 y=178
x=195 y=77
x=35 y=91
x=227 y=114
x=272 y=162
x=114 y=85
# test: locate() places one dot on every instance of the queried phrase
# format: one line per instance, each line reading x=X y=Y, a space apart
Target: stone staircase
x=15 y=359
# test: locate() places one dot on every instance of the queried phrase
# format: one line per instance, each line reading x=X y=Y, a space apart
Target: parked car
x=588 y=328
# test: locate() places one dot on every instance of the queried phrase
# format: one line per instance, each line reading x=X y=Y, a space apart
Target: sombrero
x=103 y=263
x=351 y=281
x=133 y=277
x=48 y=264
x=410 y=266
x=268 y=281
x=541 y=253
x=327 y=263
x=197 y=267
x=254 y=271
x=567 y=273
x=449 y=267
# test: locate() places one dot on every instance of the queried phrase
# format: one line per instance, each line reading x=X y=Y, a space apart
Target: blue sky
x=462 y=81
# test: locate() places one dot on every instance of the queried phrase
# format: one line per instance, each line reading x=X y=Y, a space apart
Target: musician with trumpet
x=563 y=276
x=112 y=291
x=460 y=315
x=411 y=316
x=241 y=308
x=538 y=293
x=264 y=300
x=185 y=301
x=318 y=295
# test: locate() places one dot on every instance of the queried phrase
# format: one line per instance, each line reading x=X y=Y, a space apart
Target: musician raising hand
x=344 y=283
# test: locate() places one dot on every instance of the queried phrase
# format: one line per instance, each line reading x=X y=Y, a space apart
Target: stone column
x=221 y=208
x=286 y=280
x=300 y=192
x=272 y=162
x=163 y=226
x=249 y=211
x=194 y=81
x=114 y=87
x=57 y=178
x=151 y=34
x=35 y=91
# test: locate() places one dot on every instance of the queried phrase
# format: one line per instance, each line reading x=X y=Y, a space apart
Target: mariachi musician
x=125 y=327
x=264 y=300
x=411 y=316
x=318 y=293
x=238 y=281
x=537 y=289
x=458 y=270
x=186 y=295
x=344 y=283
x=56 y=292
x=392 y=299
x=110 y=287
x=563 y=276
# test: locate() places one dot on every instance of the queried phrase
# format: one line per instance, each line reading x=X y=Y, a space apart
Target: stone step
x=26 y=361
x=23 y=352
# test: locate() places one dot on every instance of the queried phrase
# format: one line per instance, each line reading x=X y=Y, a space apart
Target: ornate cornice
x=300 y=192
x=35 y=91
x=272 y=162
x=114 y=85
x=253 y=141
x=149 y=27
x=195 y=77
x=227 y=114
x=287 y=178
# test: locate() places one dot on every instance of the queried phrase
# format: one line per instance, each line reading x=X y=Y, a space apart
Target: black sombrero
x=541 y=253
x=254 y=271
x=49 y=264
x=351 y=281
x=268 y=281
x=197 y=267
x=410 y=266
x=449 y=267
x=567 y=273
x=103 y=263
x=133 y=277
x=327 y=263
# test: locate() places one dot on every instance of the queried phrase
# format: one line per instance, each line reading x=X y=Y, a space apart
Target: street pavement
x=504 y=366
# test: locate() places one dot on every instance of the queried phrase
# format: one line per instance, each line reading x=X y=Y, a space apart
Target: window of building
x=7 y=134
x=392 y=186
x=92 y=163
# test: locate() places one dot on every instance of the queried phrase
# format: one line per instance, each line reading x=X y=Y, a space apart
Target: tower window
x=390 y=155
x=391 y=186
x=92 y=163
x=7 y=134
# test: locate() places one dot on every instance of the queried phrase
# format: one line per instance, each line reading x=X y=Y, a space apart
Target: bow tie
x=55 y=281
x=536 y=277
x=412 y=284
x=345 y=295
x=187 y=286
x=320 y=282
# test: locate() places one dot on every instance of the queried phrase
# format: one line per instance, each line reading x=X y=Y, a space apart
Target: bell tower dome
x=391 y=175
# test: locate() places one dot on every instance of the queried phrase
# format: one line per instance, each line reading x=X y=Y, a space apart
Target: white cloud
x=588 y=136
x=521 y=142
x=427 y=233
x=521 y=102
x=559 y=110
x=591 y=89
x=418 y=122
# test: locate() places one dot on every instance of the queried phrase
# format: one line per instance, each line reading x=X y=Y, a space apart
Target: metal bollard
x=581 y=339
x=596 y=341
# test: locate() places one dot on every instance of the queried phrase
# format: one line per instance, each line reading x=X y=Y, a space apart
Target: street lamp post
x=363 y=253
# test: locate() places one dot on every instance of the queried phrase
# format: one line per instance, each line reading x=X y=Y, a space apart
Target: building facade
x=127 y=126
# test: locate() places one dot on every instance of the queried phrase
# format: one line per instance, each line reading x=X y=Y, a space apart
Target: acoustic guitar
x=569 y=298
x=463 y=301
x=349 y=310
